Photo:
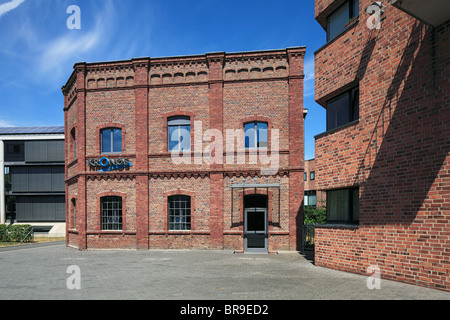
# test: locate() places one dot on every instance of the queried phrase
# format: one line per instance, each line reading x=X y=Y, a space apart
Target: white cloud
x=8 y=6
x=4 y=123
x=65 y=48
x=309 y=77
x=56 y=57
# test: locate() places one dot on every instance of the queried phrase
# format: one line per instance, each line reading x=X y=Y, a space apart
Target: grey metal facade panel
x=37 y=179
x=58 y=184
x=24 y=210
x=55 y=150
x=40 y=209
x=19 y=179
x=36 y=151
x=44 y=151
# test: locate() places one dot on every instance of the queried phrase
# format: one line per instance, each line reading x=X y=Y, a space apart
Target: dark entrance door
x=255 y=224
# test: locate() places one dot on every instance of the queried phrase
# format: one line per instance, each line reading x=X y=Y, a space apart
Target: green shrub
x=314 y=215
x=15 y=233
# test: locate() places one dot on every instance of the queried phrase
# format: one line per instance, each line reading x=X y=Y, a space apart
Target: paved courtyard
x=41 y=272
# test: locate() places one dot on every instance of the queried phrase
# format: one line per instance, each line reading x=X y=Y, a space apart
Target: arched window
x=74 y=208
x=179 y=133
x=256 y=135
x=111 y=140
x=74 y=145
x=111 y=213
x=179 y=210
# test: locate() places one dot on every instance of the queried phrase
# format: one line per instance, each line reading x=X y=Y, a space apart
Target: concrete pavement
x=47 y=272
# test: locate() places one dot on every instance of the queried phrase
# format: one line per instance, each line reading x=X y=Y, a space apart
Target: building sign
x=106 y=164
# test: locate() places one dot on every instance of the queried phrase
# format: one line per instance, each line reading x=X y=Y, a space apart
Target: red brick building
x=384 y=160
x=312 y=197
x=124 y=122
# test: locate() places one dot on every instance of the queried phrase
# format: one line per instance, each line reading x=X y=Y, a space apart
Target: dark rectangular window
x=74 y=145
x=337 y=21
x=312 y=175
x=343 y=109
x=14 y=151
x=305 y=176
x=74 y=206
x=310 y=198
x=343 y=206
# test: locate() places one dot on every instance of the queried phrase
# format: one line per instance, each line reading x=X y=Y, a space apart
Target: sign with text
x=106 y=164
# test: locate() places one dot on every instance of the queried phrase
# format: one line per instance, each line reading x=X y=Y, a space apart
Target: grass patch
x=36 y=240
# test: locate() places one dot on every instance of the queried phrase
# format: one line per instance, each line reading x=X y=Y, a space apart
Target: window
x=256 y=135
x=179 y=133
x=111 y=207
x=14 y=151
x=337 y=21
x=305 y=176
x=343 y=109
x=312 y=175
x=343 y=206
x=74 y=146
x=74 y=206
x=111 y=140
x=310 y=198
x=179 y=212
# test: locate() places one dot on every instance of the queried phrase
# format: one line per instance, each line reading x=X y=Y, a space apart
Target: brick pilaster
x=296 y=147
x=215 y=64
x=80 y=70
x=141 y=67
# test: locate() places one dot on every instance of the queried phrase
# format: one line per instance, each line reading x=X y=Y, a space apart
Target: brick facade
x=397 y=153
x=218 y=90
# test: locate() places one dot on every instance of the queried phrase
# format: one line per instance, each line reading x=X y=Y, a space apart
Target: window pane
x=173 y=138
x=106 y=140
x=355 y=205
x=179 y=212
x=263 y=138
x=337 y=21
x=185 y=137
x=355 y=12
x=337 y=205
x=312 y=199
x=355 y=104
x=338 y=111
x=117 y=140
x=111 y=213
x=250 y=135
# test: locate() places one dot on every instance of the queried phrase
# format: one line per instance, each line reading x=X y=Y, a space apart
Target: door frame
x=265 y=249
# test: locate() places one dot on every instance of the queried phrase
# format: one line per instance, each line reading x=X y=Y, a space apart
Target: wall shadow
x=409 y=143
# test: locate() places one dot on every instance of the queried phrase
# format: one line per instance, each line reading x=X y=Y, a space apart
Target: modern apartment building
x=32 y=178
x=383 y=78
x=150 y=162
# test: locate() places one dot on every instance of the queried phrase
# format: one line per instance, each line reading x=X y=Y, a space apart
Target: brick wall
x=222 y=91
x=397 y=153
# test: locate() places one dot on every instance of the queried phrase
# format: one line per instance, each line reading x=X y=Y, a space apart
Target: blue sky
x=38 y=51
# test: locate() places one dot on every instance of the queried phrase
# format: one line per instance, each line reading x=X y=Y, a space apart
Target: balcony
x=431 y=12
